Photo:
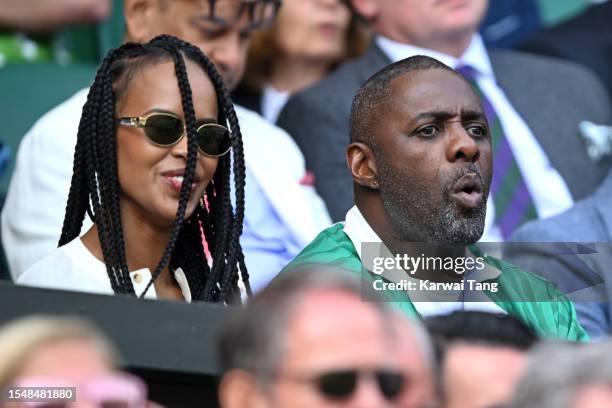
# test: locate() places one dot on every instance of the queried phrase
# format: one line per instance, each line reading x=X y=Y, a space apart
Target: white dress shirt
x=73 y=267
x=272 y=102
x=549 y=191
x=282 y=213
x=359 y=232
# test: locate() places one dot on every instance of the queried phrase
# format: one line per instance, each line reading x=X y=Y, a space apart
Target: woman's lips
x=176 y=182
x=328 y=29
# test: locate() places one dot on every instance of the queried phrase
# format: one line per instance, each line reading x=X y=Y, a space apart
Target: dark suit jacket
x=553 y=97
x=586 y=39
x=589 y=221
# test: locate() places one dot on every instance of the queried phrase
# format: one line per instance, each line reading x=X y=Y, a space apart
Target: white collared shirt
x=359 y=232
x=73 y=267
x=531 y=159
x=272 y=102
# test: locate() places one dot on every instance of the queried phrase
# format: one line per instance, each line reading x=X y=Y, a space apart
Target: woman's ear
x=362 y=164
x=139 y=18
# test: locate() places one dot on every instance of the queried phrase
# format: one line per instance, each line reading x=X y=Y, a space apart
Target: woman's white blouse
x=73 y=267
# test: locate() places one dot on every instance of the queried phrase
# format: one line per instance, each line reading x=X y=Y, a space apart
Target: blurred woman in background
x=308 y=39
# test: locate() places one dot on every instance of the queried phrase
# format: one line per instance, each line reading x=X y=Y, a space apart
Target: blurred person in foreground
x=308 y=39
x=566 y=376
x=534 y=106
x=480 y=357
x=285 y=213
x=421 y=160
x=308 y=340
x=65 y=352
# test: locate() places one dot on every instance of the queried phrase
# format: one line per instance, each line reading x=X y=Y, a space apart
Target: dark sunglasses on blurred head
x=342 y=384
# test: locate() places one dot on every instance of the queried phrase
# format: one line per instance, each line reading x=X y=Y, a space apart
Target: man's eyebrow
x=438 y=115
x=472 y=115
x=442 y=115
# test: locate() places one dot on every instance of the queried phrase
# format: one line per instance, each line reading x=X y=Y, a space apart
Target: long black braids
x=95 y=187
x=229 y=226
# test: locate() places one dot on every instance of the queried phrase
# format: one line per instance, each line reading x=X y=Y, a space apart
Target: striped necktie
x=511 y=198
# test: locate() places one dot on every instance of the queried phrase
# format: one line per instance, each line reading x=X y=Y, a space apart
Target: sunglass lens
x=214 y=139
x=338 y=384
x=163 y=129
x=390 y=383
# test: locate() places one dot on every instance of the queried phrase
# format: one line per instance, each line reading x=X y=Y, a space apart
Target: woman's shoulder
x=69 y=267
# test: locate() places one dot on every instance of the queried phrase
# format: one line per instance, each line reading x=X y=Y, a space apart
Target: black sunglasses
x=342 y=384
x=167 y=129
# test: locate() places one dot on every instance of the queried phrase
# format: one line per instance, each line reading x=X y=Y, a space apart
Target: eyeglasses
x=112 y=391
x=167 y=129
x=342 y=384
x=260 y=13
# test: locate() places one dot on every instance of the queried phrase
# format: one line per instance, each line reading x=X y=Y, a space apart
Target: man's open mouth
x=468 y=191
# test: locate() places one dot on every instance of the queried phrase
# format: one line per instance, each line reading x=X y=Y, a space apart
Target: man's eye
x=428 y=131
x=477 y=131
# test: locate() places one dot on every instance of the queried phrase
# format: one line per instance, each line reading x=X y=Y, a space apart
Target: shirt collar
x=140 y=278
x=475 y=55
x=358 y=229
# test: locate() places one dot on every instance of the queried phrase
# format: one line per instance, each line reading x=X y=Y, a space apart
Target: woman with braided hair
x=152 y=169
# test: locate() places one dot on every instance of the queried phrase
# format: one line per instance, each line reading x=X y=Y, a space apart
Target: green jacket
x=552 y=315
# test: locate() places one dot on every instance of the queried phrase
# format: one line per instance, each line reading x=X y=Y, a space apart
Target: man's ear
x=368 y=9
x=362 y=164
x=239 y=389
x=139 y=18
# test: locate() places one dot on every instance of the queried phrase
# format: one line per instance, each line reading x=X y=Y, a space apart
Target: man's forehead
x=435 y=90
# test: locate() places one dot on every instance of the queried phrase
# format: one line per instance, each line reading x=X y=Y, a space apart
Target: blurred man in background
x=308 y=340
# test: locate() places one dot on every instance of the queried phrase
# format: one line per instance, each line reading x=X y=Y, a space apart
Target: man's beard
x=417 y=215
